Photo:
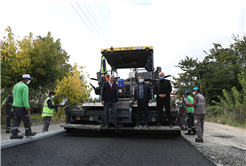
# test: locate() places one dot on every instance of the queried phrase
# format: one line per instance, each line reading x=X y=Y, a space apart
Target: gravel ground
x=223 y=144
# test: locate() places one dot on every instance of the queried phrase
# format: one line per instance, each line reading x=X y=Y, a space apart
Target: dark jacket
x=50 y=105
x=9 y=103
x=107 y=93
x=165 y=89
x=147 y=92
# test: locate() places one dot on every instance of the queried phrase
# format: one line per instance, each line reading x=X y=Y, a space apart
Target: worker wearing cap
x=48 y=111
x=21 y=108
x=190 y=114
x=8 y=102
x=199 y=113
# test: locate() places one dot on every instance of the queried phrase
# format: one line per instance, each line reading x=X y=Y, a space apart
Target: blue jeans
x=113 y=107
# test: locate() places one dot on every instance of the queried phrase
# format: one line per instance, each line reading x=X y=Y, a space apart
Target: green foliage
x=188 y=79
x=37 y=107
x=42 y=58
x=73 y=86
x=216 y=72
x=233 y=104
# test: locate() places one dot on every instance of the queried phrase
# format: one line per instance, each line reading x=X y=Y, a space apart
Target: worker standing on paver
x=199 y=113
x=190 y=115
x=48 y=111
x=21 y=108
x=142 y=97
x=163 y=88
x=8 y=102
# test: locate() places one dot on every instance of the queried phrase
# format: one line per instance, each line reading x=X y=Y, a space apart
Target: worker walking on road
x=190 y=115
x=48 y=111
x=8 y=102
x=199 y=113
x=142 y=97
x=163 y=89
x=21 y=108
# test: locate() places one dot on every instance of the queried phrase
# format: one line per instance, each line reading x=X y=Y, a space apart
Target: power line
x=81 y=10
x=91 y=24
x=81 y=17
x=95 y=20
x=104 y=18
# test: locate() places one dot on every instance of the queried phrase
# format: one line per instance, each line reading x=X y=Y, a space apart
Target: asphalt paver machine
x=139 y=61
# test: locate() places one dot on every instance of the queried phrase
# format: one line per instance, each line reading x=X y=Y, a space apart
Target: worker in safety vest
x=105 y=76
x=190 y=115
x=48 y=111
x=8 y=102
x=103 y=66
x=199 y=113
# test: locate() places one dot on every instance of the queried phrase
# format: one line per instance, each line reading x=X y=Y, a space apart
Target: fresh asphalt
x=105 y=148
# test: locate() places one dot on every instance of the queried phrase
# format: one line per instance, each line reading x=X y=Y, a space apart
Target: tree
x=42 y=58
x=73 y=86
x=216 y=72
x=189 y=79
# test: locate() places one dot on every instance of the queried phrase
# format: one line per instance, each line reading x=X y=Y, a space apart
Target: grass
x=38 y=118
x=225 y=120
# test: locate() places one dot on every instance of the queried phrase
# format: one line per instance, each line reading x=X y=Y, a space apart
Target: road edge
x=15 y=142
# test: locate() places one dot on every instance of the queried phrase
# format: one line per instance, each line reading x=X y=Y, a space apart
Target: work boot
x=30 y=133
x=16 y=136
x=199 y=140
x=158 y=125
x=8 y=130
x=138 y=125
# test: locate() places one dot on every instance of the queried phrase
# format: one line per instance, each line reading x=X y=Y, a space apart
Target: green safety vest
x=103 y=66
x=46 y=110
x=191 y=100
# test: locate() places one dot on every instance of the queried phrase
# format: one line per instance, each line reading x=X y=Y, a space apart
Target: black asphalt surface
x=100 y=148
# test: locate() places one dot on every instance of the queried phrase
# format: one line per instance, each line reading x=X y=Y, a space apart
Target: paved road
x=90 y=148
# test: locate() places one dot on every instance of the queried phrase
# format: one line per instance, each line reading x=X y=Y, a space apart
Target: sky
x=174 y=28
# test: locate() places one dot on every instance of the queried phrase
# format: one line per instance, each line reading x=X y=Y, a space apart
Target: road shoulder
x=223 y=144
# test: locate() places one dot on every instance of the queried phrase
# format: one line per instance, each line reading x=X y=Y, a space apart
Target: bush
x=37 y=107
